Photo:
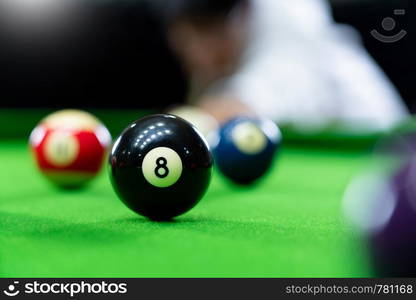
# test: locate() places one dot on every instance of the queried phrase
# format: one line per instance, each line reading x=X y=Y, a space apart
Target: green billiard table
x=289 y=224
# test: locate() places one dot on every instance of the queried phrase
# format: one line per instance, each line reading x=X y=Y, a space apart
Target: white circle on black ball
x=248 y=138
x=162 y=167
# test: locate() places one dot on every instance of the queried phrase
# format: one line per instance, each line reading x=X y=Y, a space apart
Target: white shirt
x=305 y=70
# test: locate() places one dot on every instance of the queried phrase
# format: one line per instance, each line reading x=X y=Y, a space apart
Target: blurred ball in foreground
x=382 y=208
x=394 y=244
x=245 y=148
x=69 y=147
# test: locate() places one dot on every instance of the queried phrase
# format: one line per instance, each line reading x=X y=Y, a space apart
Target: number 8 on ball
x=162 y=167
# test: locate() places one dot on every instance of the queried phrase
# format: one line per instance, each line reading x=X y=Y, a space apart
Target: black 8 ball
x=161 y=166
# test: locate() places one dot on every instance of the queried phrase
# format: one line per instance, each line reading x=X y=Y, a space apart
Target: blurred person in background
x=287 y=60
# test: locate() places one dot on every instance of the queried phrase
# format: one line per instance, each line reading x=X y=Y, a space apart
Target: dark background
x=117 y=56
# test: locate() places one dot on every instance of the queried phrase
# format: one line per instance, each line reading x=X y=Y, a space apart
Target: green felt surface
x=289 y=225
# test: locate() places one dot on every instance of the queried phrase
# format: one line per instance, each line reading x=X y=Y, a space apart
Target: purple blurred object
x=393 y=246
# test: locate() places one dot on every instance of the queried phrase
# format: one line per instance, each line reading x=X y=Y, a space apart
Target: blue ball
x=245 y=148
